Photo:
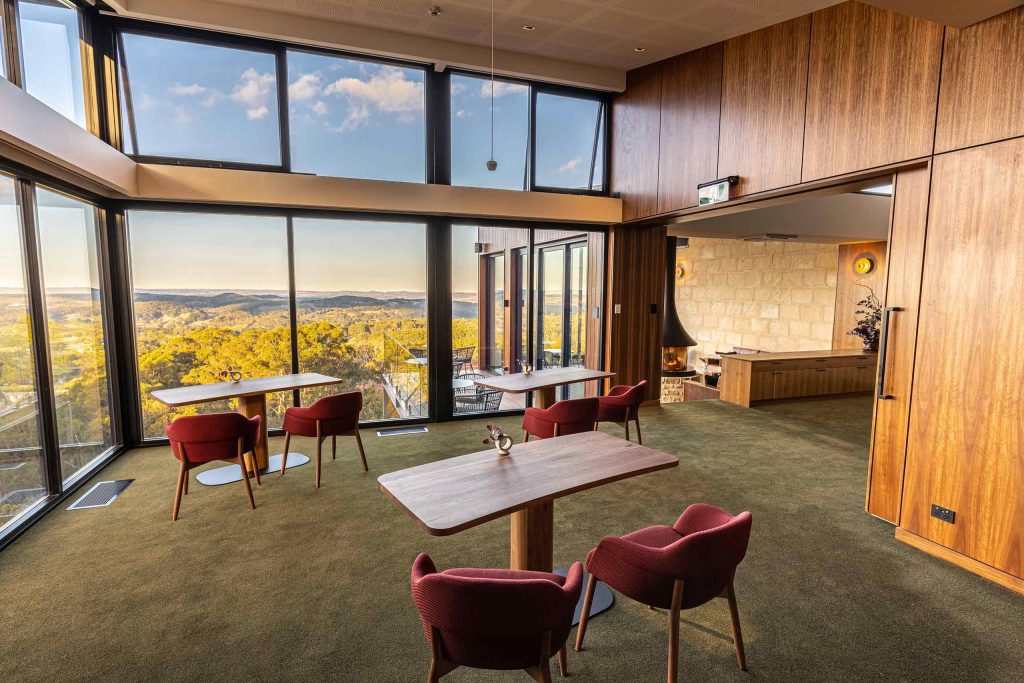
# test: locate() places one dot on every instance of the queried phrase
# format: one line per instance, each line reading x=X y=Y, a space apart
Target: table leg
x=544 y=397
x=533 y=537
x=256 y=405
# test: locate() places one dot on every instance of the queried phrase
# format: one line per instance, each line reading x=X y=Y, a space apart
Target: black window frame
x=59 y=488
x=600 y=157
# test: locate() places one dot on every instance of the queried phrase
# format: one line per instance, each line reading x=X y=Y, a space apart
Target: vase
x=870 y=347
x=504 y=445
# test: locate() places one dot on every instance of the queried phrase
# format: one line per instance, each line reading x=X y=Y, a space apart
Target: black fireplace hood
x=672 y=333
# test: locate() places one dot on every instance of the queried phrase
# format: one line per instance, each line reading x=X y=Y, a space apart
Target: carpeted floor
x=313 y=585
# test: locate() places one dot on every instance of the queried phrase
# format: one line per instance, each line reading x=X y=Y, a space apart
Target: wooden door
x=902 y=291
x=966 y=445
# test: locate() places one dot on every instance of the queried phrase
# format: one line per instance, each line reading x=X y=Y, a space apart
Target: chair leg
x=542 y=672
x=255 y=468
x=588 y=598
x=334 y=447
x=319 y=443
x=737 y=634
x=627 y=430
x=563 y=663
x=362 y=453
x=245 y=480
x=639 y=436
x=182 y=473
x=526 y=436
x=284 y=456
x=186 y=482
x=673 y=632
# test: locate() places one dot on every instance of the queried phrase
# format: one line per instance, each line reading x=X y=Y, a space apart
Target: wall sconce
x=863 y=265
x=680 y=271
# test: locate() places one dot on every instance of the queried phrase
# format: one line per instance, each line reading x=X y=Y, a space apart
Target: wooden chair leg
x=284 y=456
x=737 y=634
x=588 y=598
x=563 y=663
x=255 y=468
x=526 y=436
x=439 y=666
x=319 y=445
x=186 y=482
x=245 y=480
x=542 y=672
x=334 y=447
x=639 y=436
x=182 y=473
x=362 y=453
x=627 y=430
x=673 y=632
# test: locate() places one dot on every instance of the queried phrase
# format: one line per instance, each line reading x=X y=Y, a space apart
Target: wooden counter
x=753 y=378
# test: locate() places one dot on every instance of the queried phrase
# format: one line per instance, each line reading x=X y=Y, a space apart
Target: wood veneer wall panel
x=691 y=103
x=764 y=88
x=902 y=289
x=982 y=70
x=850 y=289
x=636 y=283
x=872 y=89
x=636 y=124
x=966 y=440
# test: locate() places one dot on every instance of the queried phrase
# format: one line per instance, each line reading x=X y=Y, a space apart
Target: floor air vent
x=101 y=495
x=399 y=431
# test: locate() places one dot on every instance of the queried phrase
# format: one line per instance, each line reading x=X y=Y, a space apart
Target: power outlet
x=945 y=514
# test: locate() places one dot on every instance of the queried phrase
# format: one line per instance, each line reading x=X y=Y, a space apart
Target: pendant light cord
x=492 y=79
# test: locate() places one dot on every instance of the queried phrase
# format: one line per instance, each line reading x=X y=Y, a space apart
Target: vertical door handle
x=882 y=349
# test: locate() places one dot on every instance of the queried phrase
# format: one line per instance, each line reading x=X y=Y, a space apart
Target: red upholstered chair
x=330 y=416
x=622 y=404
x=565 y=417
x=199 y=439
x=495 y=618
x=675 y=568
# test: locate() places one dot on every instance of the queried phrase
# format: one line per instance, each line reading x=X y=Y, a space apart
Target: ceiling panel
x=598 y=32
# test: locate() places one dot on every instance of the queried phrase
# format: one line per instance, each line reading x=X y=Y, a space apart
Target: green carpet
x=313 y=585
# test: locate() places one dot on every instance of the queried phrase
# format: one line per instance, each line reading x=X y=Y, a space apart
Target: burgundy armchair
x=563 y=418
x=332 y=416
x=495 y=618
x=675 y=568
x=199 y=439
x=622 y=405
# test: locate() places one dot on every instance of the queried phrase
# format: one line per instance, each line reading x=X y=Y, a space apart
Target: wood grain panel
x=872 y=89
x=764 y=88
x=966 y=440
x=690 y=112
x=850 y=288
x=982 y=70
x=636 y=284
x=636 y=122
x=902 y=289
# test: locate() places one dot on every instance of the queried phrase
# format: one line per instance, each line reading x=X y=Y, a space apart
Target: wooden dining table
x=541 y=383
x=252 y=400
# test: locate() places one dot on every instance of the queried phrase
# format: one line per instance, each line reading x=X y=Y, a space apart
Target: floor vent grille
x=101 y=495
x=400 y=431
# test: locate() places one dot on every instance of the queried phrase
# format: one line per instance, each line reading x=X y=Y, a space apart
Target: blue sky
x=347 y=117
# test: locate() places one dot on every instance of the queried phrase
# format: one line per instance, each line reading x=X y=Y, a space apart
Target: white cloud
x=257 y=113
x=305 y=88
x=463 y=114
x=387 y=91
x=187 y=90
x=182 y=115
x=254 y=91
x=319 y=108
x=570 y=166
x=501 y=88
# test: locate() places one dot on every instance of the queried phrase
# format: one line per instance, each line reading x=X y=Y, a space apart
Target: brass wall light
x=863 y=265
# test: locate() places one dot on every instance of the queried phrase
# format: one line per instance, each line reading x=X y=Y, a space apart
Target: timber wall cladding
x=851 y=288
x=636 y=125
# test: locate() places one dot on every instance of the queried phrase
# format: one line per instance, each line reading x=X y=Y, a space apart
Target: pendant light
x=492 y=165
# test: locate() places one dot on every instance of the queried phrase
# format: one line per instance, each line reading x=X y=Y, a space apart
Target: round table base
x=231 y=473
x=603 y=598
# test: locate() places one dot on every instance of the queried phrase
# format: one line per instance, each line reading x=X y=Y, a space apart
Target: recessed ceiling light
x=434 y=11
x=529 y=28
x=639 y=49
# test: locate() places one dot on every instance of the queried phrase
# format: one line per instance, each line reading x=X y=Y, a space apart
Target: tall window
x=570 y=142
x=355 y=118
x=69 y=257
x=22 y=473
x=471 y=133
x=193 y=100
x=361 y=292
x=210 y=292
x=51 y=55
